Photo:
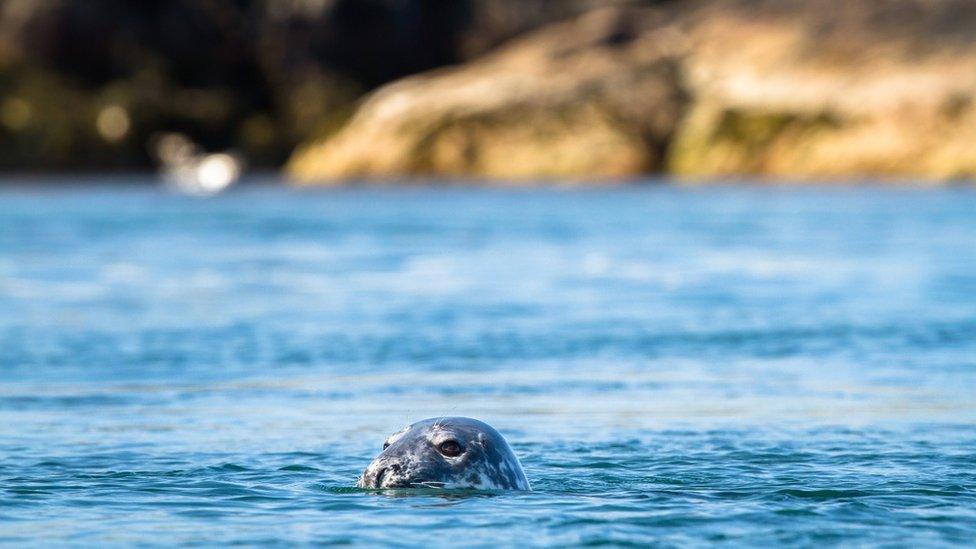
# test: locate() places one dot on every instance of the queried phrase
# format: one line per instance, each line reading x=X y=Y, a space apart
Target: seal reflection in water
x=446 y=452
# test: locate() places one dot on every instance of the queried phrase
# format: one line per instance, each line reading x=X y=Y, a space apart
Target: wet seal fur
x=446 y=452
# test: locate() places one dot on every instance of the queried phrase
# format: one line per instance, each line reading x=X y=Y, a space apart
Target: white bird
x=185 y=167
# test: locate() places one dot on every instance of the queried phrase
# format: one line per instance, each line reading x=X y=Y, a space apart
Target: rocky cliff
x=709 y=88
x=596 y=97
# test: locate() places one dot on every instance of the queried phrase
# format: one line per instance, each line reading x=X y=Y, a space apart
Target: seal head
x=446 y=452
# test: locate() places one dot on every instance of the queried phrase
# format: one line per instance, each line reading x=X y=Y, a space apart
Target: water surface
x=741 y=365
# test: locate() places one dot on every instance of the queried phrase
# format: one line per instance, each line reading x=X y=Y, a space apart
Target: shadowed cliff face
x=257 y=75
x=794 y=88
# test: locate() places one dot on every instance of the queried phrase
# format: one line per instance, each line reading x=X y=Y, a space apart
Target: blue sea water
x=741 y=365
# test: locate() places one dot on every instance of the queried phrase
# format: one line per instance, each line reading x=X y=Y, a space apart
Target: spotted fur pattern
x=412 y=459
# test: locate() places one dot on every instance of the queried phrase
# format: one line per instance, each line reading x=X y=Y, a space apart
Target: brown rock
x=830 y=89
x=710 y=88
x=594 y=97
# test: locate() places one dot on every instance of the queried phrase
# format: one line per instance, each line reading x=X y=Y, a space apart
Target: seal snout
x=385 y=475
x=382 y=474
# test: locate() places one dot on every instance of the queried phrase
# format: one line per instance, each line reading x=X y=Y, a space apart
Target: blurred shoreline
x=495 y=92
x=272 y=179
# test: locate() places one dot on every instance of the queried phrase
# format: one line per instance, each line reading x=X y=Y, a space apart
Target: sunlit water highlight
x=741 y=365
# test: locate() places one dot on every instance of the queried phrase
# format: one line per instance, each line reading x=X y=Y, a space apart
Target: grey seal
x=446 y=452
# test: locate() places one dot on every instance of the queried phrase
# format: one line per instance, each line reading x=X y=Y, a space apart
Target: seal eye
x=450 y=448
